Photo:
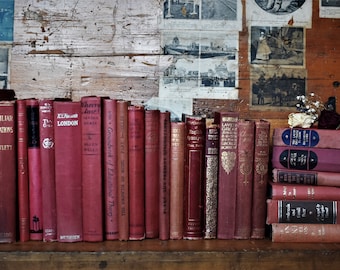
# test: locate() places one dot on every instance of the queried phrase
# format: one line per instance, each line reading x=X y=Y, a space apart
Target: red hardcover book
x=306 y=137
x=110 y=168
x=211 y=181
x=136 y=173
x=22 y=165
x=151 y=174
x=8 y=169
x=305 y=233
x=68 y=170
x=306 y=177
x=244 y=185
x=227 y=174
x=46 y=129
x=261 y=163
x=34 y=170
x=313 y=159
x=92 y=181
x=123 y=169
x=177 y=152
x=164 y=176
x=303 y=211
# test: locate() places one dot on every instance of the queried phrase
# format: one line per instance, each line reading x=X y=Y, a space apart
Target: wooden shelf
x=177 y=254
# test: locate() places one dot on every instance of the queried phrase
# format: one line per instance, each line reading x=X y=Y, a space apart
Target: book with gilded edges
x=8 y=169
x=68 y=170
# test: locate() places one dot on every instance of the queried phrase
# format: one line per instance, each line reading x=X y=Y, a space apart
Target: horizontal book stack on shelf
x=103 y=169
x=305 y=192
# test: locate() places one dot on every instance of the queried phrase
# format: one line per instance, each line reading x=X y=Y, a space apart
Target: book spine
x=22 y=165
x=34 y=170
x=164 y=176
x=110 y=168
x=244 y=185
x=92 y=189
x=68 y=170
x=123 y=169
x=227 y=174
x=211 y=181
x=136 y=172
x=261 y=162
x=151 y=173
x=177 y=152
x=46 y=129
x=302 y=211
x=305 y=233
x=315 y=159
x=7 y=172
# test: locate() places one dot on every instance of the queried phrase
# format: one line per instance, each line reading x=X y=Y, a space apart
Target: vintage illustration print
x=280 y=6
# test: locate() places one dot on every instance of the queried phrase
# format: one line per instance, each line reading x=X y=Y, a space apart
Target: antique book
x=8 y=158
x=164 y=175
x=68 y=170
x=123 y=169
x=303 y=211
x=244 y=185
x=22 y=171
x=177 y=152
x=306 y=177
x=47 y=153
x=260 y=181
x=306 y=137
x=305 y=233
x=34 y=170
x=227 y=173
x=151 y=173
x=110 y=168
x=92 y=184
x=136 y=172
x=314 y=159
x=211 y=181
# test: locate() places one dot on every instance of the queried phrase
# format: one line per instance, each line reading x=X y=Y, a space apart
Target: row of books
x=104 y=169
x=304 y=200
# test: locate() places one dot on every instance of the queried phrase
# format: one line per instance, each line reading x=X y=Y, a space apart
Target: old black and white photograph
x=280 y=6
x=277 y=45
x=329 y=8
x=4 y=68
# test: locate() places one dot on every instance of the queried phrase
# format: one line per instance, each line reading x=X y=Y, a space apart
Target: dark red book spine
x=164 y=176
x=261 y=163
x=151 y=174
x=136 y=173
x=34 y=170
x=194 y=177
x=68 y=170
x=23 y=194
x=92 y=181
x=8 y=169
x=123 y=169
x=46 y=129
x=244 y=186
x=110 y=168
x=227 y=174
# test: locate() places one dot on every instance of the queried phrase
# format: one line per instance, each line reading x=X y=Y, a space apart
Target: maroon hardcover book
x=194 y=177
x=68 y=170
x=34 y=170
x=22 y=166
x=123 y=169
x=227 y=174
x=261 y=163
x=136 y=173
x=244 y=186
x=313 y=159
x=110 y=168
x=164 y=176
x=46 y=129
x=151 y=174
x=92 y=181
x=8 y=169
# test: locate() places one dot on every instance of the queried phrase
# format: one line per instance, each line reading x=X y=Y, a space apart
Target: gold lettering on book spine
x=228 y=160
